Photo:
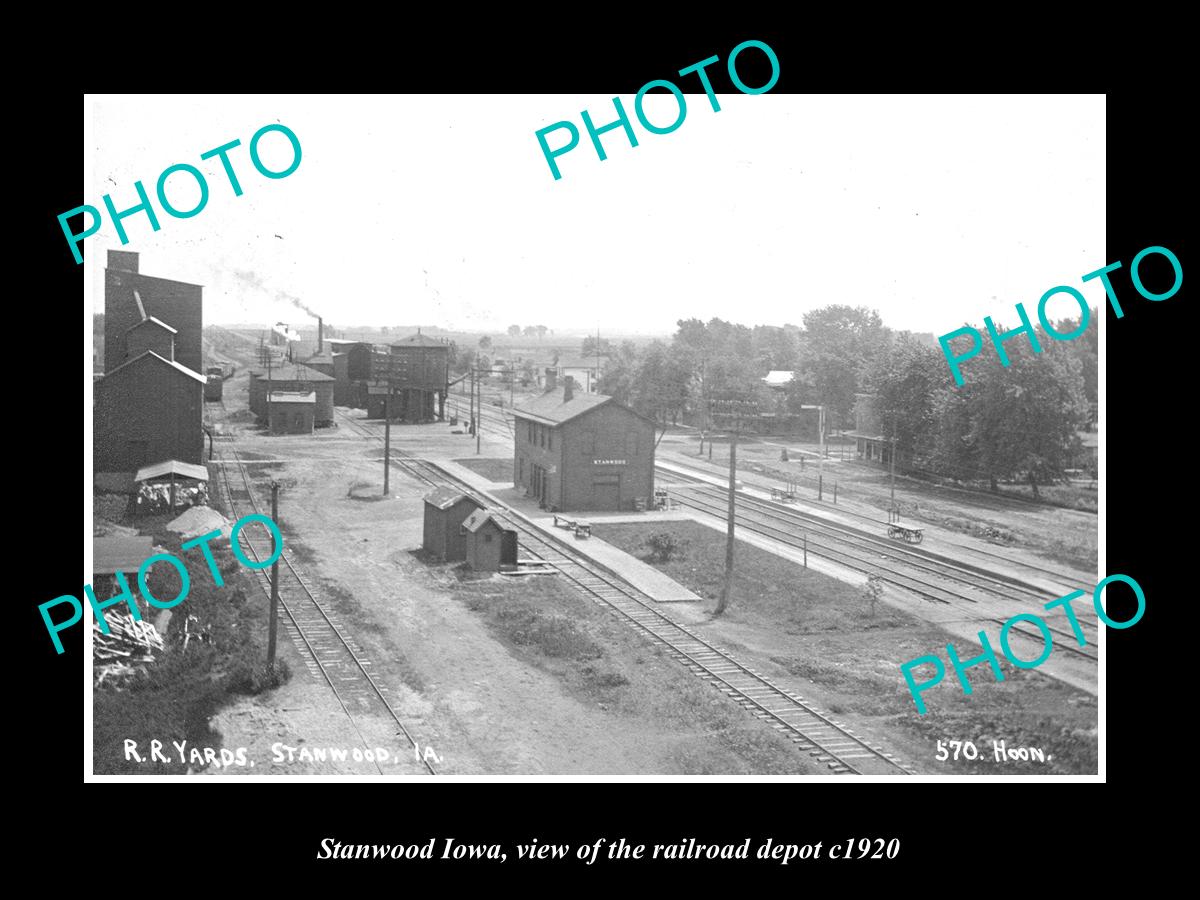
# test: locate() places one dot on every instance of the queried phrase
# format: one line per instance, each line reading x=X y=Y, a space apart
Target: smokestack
x=551 y=378
x=568 y=389
x=320 y=335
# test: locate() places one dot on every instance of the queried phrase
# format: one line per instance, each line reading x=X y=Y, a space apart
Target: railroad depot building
x=581 y=451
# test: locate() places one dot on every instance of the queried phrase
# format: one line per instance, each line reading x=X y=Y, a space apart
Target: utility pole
x=821 y=456
x=387 y=438
x=268 y=390
x=479 y=407
x=274 y=622
x=737 y=409
x=893 y=462
x=727 y=585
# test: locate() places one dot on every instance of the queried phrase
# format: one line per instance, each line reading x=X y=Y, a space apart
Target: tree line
x=1019 y=421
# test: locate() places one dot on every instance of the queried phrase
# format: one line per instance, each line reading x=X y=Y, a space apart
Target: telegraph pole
x=737 y=409
x=727 y=585
x=479 y=407
x=272 y=627
x=268 y=390
x=387 y=438
x=893 y=462
x=821 y=456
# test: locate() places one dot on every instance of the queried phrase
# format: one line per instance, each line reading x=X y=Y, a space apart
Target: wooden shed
x=170 y=483
x=445 y=511
x=294 y=378
x=491 y=543
x=291 y=412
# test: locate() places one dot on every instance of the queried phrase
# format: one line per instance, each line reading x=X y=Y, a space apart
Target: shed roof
x=481 y=517
x=291 y=372
x=444 y=497
x=166 y=362
x=172 y=466
x=778 y=377
x=291 y=397
x=344 y=343
x=551 y=409
x=152 y=320
x=119 y=554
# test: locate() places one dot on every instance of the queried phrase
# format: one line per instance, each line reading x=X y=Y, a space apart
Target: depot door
x=606 y=492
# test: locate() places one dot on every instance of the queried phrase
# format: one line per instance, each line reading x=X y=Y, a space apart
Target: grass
x=854 y=659
x=173 y=698
x=767 y=589
x=492 y=469
x=689 y=726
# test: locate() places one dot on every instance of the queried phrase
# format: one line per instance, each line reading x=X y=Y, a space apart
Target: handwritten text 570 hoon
x=185 y=581
x=622 y=120
x=145 y=206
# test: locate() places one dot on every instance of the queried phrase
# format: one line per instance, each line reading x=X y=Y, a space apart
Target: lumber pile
x=129 y=645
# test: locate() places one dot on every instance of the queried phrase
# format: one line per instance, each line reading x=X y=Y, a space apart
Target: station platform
x=643 y=576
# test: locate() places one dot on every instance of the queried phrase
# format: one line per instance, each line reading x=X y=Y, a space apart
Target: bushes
x=173 y=698
x=254 y=678
x=664 y=545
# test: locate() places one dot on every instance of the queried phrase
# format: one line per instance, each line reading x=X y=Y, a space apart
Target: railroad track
x=829 y=741
x=333 y=654
x=927 y=575
x=670 y=474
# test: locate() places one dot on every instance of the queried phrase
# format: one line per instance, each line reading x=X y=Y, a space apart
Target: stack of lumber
x=130 y=644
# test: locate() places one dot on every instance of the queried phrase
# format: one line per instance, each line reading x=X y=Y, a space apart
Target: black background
x=941 y=826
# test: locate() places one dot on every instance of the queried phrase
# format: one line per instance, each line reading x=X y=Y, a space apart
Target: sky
x=441 y=210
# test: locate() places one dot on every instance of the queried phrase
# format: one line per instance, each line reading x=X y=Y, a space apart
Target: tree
x=529 y=331
x=485 y=343
x=591 y=348
x=514 y=330
x=541 y=331
x=1023 y=417
x=873 y=591
x=905 y=378
x=839 y=342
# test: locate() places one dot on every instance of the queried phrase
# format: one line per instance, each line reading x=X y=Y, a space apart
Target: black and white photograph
x=432 y=437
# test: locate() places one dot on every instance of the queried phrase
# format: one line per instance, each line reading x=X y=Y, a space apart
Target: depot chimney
x=320 y=335
x=568 y=389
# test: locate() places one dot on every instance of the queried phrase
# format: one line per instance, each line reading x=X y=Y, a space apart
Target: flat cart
x=582 y=528
x=911 y=535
